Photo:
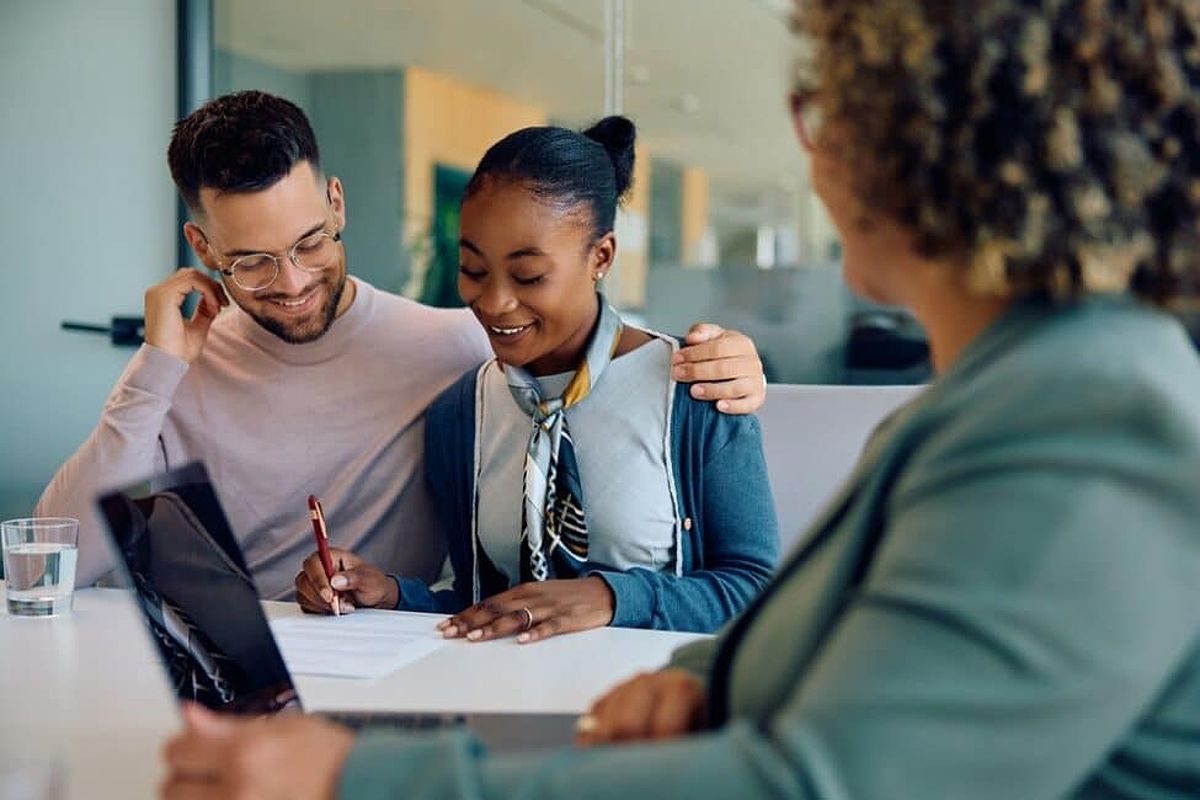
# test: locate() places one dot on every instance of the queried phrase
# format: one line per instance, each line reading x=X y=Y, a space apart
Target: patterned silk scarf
x=554 y=534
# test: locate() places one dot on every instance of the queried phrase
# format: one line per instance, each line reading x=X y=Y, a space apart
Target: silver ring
x=528 y=618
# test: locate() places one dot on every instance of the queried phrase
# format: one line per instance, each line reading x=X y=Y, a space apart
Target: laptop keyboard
x=394 y=721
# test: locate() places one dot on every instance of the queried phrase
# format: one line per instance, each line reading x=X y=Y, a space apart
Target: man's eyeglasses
x=806 y=116
x=257 y=271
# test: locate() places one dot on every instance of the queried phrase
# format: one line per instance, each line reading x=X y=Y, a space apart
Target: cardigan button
x=687 y=523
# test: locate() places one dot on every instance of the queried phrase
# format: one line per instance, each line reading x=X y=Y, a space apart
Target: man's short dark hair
x=240 y=142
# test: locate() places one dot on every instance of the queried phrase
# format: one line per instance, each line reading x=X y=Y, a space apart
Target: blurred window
x=722 y=223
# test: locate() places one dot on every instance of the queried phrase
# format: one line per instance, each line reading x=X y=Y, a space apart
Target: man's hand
x=535 y=611
x=356 y=583
x=166 y=328
x=723 y=366
x=265 y=758
x=656 y=705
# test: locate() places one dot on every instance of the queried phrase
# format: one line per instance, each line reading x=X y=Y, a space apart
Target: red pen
x=317 y=515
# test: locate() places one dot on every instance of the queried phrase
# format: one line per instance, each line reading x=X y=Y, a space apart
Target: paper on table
x=364 y=644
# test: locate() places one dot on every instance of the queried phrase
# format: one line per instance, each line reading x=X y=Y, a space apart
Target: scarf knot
x=554 y=533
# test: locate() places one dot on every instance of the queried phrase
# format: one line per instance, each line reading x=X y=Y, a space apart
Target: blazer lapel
x=806 y=557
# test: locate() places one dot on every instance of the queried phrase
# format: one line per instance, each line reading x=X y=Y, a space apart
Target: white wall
x=87 y=212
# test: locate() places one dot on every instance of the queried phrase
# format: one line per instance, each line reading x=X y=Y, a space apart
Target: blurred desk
x=88 y=689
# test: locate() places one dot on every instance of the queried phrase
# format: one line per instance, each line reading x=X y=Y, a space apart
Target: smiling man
x=310 y=381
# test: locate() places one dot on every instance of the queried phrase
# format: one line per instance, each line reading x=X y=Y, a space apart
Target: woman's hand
x=655 y=705
x=355 y=584
x=535 y=611
x=284 y=756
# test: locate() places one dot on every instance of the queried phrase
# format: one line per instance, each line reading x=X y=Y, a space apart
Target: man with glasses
x=311 y=382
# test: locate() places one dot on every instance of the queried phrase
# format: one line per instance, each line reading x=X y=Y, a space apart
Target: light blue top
x=621 y=443
x=1004 y=602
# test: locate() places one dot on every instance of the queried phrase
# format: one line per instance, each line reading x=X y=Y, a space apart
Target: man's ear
x=200 y=245
x=337 y=201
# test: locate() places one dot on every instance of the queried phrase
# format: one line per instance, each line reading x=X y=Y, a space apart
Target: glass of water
x=39 y=564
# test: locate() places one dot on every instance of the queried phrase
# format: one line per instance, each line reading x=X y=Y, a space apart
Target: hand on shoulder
x=724 y=367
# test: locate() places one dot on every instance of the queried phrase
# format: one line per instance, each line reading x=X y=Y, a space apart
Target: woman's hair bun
x=617 y=135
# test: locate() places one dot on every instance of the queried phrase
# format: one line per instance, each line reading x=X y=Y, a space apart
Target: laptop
x=200 y=605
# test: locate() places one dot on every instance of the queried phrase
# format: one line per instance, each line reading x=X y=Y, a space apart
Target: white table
x=88 y=690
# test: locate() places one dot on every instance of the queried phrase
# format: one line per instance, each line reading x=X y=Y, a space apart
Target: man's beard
x=326 y=314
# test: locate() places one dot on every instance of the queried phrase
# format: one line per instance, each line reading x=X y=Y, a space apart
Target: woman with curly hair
x=1004 y=600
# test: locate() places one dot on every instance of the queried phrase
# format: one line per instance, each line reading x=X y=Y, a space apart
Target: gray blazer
x=1003 y=602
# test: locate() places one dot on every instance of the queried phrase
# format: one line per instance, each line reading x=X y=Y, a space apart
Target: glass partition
x=722 y=223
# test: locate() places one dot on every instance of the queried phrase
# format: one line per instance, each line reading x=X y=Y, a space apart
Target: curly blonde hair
x=1054 y=144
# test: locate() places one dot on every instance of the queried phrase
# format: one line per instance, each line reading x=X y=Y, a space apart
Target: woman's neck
x=952 y=316
x=570 y=354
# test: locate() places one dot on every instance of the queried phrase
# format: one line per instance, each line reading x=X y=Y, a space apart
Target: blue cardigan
x=728 y=534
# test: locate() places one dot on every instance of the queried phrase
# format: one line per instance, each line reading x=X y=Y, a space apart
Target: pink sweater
x=341 y=418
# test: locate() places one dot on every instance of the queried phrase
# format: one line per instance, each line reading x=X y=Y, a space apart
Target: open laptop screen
x=196 y=594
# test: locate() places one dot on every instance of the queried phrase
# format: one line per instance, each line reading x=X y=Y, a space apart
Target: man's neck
x=347 y=297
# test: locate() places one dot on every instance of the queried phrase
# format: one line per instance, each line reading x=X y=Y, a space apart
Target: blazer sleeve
x=697 y=657
x=1031 y=598
x=739 y=536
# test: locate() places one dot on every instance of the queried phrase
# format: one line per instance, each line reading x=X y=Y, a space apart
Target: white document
x=366 y=643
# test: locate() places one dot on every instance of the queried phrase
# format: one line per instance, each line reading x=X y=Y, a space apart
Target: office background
x=405 y=96
x=87 y=213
